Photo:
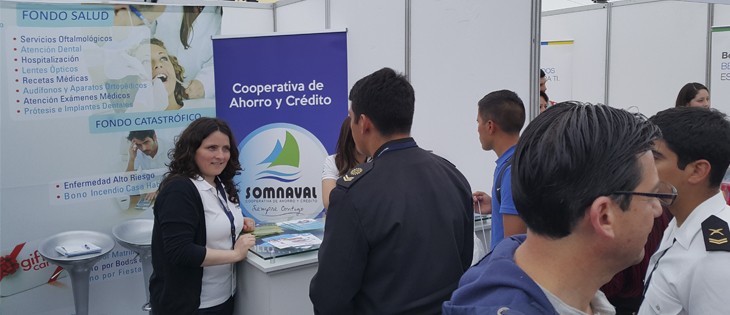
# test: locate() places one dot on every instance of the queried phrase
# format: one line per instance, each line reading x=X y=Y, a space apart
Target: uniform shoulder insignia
x=442 y=158
x=354 y=174
x=715 y=232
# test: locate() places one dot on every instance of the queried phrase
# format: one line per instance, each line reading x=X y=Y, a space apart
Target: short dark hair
x=570 y=155
x=141 y=134
x=387 y=98
x=182 y=157
x=695 y=133
x=346 y=153
x=505 y=108
x=688 y=92
x=542 y=73
x=544 y=96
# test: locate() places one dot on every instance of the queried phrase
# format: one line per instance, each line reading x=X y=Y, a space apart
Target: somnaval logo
x=286 y=155
x=282 y=173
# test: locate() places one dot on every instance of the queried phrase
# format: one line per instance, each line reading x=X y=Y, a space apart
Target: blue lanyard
x=229 y=214
x=396 y=145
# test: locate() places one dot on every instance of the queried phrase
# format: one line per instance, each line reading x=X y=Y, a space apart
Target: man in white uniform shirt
x=690 y=271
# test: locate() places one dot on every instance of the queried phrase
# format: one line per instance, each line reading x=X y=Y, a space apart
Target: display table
x=280 y=286
x=276 y=281
x=136 y=235
x=78 y=267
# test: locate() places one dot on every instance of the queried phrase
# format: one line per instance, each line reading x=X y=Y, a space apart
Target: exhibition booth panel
x=78 y=85
x=624 y=59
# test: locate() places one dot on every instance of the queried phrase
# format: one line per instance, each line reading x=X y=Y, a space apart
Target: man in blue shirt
x=500 y=118
x=588 y=190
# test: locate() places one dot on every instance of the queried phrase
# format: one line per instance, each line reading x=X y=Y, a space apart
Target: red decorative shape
x=9 y=263
x=8 y=266
x=55 y=274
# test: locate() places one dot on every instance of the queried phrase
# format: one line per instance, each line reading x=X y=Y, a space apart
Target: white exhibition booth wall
x=586 y=26
x=454 y=53
x=654 y=48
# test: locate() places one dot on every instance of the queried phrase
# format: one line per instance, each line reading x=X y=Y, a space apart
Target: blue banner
x=285 y=97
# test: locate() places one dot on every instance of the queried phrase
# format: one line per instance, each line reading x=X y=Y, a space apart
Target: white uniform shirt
x=330 y=168
x=219 y=282
x=688 y=278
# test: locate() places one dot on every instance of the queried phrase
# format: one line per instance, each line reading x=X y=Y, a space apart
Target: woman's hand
x=248 y=225
x=214 y=257
x=195 y=90
x=243 y=244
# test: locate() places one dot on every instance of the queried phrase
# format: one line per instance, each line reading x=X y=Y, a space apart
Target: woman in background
x=694 y=95
x=544 y=101
x=345 y=158
x=195 y=238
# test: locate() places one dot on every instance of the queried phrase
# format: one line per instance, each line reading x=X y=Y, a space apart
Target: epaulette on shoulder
x=715 y=232
x=442 y=158
x=354 y=174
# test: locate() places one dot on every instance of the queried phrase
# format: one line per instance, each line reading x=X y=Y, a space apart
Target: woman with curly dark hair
x=195 y=238
x=166 y=68
x=166 y=72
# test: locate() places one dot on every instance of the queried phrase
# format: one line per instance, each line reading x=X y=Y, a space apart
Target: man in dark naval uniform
x=399 y=229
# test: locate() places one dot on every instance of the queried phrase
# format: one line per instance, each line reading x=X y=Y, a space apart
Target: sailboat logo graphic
x=282 y=159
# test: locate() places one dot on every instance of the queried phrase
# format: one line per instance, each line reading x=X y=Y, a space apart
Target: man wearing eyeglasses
x=688 y=274
x=585 y=183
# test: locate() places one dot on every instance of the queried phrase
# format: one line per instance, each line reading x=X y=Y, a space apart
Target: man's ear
x=602 y=217
x=698 y=171
x=491 y=126
x=366 y=125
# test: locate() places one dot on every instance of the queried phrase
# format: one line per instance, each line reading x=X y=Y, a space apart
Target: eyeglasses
x=666 y=194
